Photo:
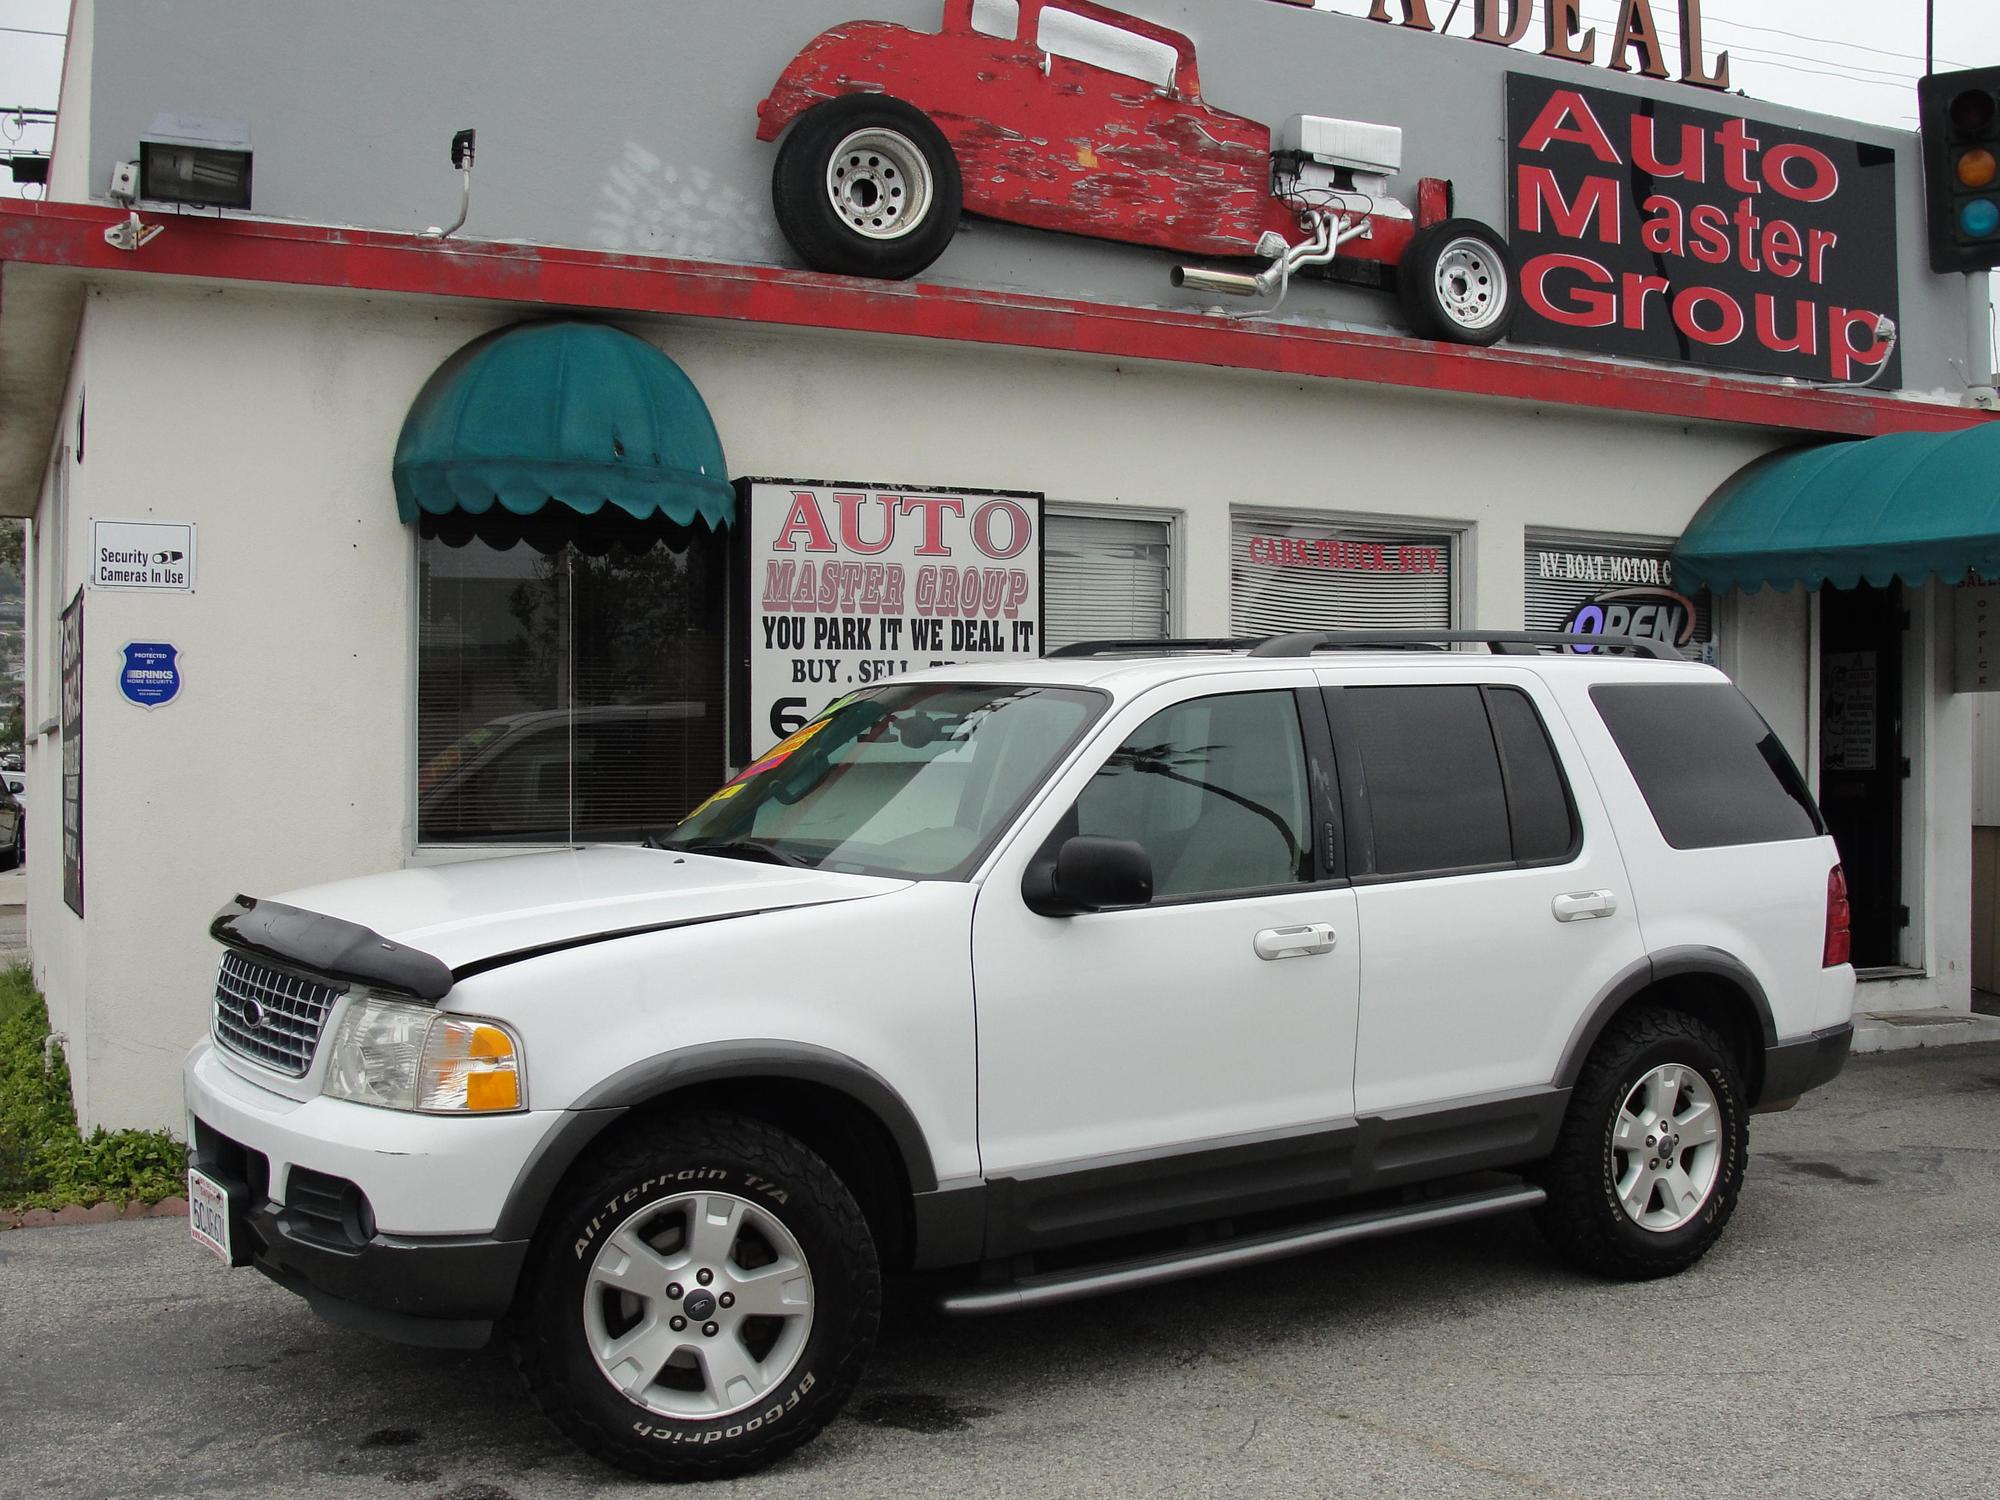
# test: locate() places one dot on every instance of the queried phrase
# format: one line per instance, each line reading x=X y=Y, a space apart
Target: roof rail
x=1153 y=648
x=1305 y=642
x=1500 y=642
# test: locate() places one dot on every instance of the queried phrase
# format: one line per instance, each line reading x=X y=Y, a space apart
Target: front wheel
x=1650 y=1159
x=867 y=186
x=700 y=1302
x=1456 y=282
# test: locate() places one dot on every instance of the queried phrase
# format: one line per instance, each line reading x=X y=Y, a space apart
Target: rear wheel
x=1456 y=282
x=1650 y=1160
x=700 y=1302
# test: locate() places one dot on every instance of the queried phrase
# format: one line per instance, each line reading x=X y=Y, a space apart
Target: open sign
x=1648 y=613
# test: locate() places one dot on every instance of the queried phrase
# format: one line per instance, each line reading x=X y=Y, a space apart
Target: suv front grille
x=268 y=1015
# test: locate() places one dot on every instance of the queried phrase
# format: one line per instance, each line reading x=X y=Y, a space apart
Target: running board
x=1121 y=1276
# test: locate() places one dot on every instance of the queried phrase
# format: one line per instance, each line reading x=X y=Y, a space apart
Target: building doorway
x=1862 y=769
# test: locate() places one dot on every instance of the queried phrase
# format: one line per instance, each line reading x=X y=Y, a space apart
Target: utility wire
x=31 y=31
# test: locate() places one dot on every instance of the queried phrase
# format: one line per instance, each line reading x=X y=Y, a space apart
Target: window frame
x=1358 y=808
x=420 y=852
x=1456 y=537
x=1173 y=520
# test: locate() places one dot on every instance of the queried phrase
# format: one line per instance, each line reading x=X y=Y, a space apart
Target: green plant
x=45 y=1161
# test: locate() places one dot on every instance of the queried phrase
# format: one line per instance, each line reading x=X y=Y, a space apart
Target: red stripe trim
x=72 y=235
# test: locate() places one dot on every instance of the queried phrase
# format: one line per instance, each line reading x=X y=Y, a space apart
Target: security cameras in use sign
x=152 y=555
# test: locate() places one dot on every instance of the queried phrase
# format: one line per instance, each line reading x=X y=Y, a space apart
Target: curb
x=97 y=1213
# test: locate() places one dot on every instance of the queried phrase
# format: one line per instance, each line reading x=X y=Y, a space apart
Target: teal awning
x=578 y=414
x=1903 y=506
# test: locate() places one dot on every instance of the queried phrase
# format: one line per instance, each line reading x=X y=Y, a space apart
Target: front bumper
x=1802 y=1064
x=384 y=1221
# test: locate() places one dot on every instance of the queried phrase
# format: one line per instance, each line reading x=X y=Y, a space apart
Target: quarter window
x=1216 y=791
x=1459 y=777
x=1710 y=768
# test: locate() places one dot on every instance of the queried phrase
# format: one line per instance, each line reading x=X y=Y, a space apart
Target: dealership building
x=358 y=539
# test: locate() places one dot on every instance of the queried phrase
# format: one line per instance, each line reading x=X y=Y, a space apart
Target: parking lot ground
x=1842 y=1341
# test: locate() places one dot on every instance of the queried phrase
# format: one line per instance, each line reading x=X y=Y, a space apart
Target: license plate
x=208 y=1214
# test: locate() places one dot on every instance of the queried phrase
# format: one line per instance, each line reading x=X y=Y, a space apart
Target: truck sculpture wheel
x=893 y=133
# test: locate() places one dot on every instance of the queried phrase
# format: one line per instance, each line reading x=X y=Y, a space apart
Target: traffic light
x=1958 y=117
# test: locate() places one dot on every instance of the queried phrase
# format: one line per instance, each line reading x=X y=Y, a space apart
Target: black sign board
x=1651 y=230
x=72 y=753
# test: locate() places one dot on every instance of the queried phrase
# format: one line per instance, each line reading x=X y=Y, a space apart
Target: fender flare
x=659 y=1077
x=1646 y=972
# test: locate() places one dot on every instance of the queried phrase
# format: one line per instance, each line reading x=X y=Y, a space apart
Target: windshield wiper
x=742 y=849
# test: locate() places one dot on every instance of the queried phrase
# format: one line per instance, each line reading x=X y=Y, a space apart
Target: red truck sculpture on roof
x=893 y=133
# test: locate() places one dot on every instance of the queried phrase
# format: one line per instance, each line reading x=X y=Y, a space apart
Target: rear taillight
x=1839 y=916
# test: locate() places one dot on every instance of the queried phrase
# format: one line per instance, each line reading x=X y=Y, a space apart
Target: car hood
x=481 y=909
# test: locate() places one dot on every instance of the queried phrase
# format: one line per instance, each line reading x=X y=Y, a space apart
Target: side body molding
x=1666 y=964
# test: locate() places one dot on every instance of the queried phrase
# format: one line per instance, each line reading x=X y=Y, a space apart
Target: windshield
x=916 y=779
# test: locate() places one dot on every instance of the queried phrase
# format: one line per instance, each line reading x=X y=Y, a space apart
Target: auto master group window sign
x=851 y=584
x=1647 y=229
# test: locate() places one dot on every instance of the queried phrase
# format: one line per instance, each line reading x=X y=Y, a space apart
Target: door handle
x=1294 y=942
x=1578 y=905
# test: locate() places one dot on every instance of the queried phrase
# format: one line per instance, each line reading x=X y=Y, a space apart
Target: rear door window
x=1710 y=768
x=1459 y=777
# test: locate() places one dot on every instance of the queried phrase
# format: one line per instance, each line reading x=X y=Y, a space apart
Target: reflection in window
x=570 y=675
x=1215 y=790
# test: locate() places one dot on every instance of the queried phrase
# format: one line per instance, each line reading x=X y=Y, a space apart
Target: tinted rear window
x=1710 y=768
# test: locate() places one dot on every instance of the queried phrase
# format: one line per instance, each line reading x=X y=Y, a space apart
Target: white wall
x=269 y=419
x=269 y=425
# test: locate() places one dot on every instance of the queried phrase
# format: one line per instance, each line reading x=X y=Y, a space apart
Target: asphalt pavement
x=1841 y=1341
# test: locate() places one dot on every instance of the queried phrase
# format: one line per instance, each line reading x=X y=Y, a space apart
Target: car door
x=1193 y=1055
x=1492 y=892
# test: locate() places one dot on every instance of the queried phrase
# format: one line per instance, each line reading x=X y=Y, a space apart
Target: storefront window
x=1105 y=578
x=1598 y=585
x=570 y=677
x=1308 y=574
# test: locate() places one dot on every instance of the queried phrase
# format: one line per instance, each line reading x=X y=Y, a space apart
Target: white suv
x=1223 y=953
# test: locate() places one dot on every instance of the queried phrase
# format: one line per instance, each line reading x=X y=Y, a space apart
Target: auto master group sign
x=1654 y=231
x=850 y=584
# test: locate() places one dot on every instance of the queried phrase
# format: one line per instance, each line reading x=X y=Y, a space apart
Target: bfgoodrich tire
x=1650 y=1160
x=867 y=186
x=700 y=1301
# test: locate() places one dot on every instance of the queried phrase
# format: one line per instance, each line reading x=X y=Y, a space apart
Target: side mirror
x=1088 y=874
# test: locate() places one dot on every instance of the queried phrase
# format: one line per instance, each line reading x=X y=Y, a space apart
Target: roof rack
x=1306 y=642
x=1155 y=647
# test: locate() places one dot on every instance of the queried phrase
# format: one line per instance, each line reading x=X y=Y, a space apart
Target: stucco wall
x=269 y=420
x=631 y=126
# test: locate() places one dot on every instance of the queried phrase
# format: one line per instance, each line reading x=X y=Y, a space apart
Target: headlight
x=399 y=1056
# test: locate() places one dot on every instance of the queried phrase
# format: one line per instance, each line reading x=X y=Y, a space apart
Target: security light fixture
x=203 y=163
x=462 y=144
